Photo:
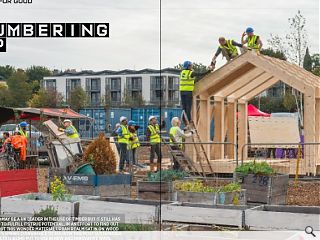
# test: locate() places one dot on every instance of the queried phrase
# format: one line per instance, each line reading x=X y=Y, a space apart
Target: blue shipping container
x=114 y=114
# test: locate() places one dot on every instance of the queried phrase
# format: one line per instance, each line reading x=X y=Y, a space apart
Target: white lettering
x=89 y=31
x=57 y=30
x=43 y=30
x=13 y=31
x=28 y=30
x=102 y=30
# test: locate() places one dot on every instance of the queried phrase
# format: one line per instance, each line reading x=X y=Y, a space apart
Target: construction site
x=257 y=172
x=159 y=120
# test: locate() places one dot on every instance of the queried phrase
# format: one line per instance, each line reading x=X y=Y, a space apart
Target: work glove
x=61 y=129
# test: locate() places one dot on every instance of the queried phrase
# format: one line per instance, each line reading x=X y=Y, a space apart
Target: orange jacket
x=20 y=142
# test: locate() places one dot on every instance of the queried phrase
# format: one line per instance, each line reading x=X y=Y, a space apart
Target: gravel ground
x=42 y=180
x=304 y=193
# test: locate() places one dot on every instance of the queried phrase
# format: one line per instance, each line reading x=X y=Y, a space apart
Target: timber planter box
x=116 y=185
x=113 y=185
x=213 y=198
x=269 y=217
x=28 y=204
x=155 y=190
x=128 y=210
x=203 y=214
x=266 y=189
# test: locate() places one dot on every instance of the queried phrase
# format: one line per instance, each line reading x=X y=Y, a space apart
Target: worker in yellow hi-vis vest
x=228 y=48
x=253 y=41
x=69 y=129
x=153 y=136
x=123 y=140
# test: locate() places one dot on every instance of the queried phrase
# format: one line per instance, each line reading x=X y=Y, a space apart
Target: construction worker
x=228 y=50
x=133 y=141
x=23 y=129
x=186 y=88
x=177 y=135
x=123 y=140
x=7 y=140
x=253 y=41
x=19 y=143
x=153 y=136
x=69 y=129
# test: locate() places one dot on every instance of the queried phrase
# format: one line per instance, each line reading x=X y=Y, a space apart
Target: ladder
x=200 y=150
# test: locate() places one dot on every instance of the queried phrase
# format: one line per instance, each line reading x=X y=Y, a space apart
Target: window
x=134 y=83
x=173 y=83
x=113 y=84
x=72 y=84
x=95 y=98
x=93 y=84
x=115 y=96
x=50 y=84
x=157 y=82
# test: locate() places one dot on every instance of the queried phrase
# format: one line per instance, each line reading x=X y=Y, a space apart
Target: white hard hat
x=122 y=118
x=174 y=120
x=152 y=117
x=67 y=120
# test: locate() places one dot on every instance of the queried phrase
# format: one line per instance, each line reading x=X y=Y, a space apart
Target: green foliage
x=136 y=227
x=273 y=53
x=166 y=175
x=269 y=104
x=307 y=61
x=7 y=71
x=289 y=102
x=49 y=211
x=77 y=99
x=36 y=73
x=316 y=71
x=19 y=89
x=46 y=98
x=58 y=190
x=262 y=168
x=4 y=96
x=199 y=186
x=199 y=70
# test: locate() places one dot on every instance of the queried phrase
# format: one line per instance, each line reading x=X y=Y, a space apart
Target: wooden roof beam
x=250 y=87
x=240 y=82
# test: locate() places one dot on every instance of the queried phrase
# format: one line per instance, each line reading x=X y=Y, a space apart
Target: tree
x=289 y=102
x=273 y=53
x=46 y=98
x=19 y=89
x=35 y=75
x=199 y=69
x=4 y=96
x=6 y=71
x=293 y=44
x=307 y=61
x=77 y=99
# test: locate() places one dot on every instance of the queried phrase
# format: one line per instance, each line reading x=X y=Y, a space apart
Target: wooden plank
x=219 y=127
x=231 y=129
x=260 y=89
x=274 y=130
x=132 y=213
x=242 y=129
x=277 y=219
x=120 y=190
x=144 y=186
x=191 y=213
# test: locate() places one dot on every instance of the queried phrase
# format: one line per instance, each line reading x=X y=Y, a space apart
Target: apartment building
x=112 y=87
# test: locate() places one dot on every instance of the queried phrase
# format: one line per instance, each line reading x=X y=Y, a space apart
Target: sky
x=189 y=30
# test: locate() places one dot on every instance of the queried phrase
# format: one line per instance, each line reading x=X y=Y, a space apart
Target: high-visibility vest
x=252 y=42
x=186 y=81
x=172 y=134
x=135 y=142
x=154 y=137
x=232 y=50
x=125 y=135
x=23 y=133
x=75 y=133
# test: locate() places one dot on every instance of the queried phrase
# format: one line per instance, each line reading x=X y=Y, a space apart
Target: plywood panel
x=274 y=130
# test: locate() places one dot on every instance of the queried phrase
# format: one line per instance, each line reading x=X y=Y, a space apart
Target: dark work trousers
x=155 y=148
x=176 y=165
x=186 y=102
x=132 y=154
x=123 y=155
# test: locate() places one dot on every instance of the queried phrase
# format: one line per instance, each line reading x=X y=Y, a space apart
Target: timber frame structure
x=221 y=94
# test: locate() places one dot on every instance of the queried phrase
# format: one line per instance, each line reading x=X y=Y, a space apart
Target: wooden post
x=219 y=127
x=309 y=131
x=318 y=133
x=242 y=128
x=232 y=128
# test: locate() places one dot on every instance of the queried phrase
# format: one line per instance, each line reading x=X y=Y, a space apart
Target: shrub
x=101 y=156
x=255 y=168
x=166 y=175
x=58 y=190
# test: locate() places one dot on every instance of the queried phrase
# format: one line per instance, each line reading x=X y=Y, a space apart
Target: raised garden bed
x=269 y=217
x=199 y=192
x=155 y=190
x=28 y=204
x=203 y=214
x=263 y=185
x=129 y=211
x=113 y=185
x=265 y=189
